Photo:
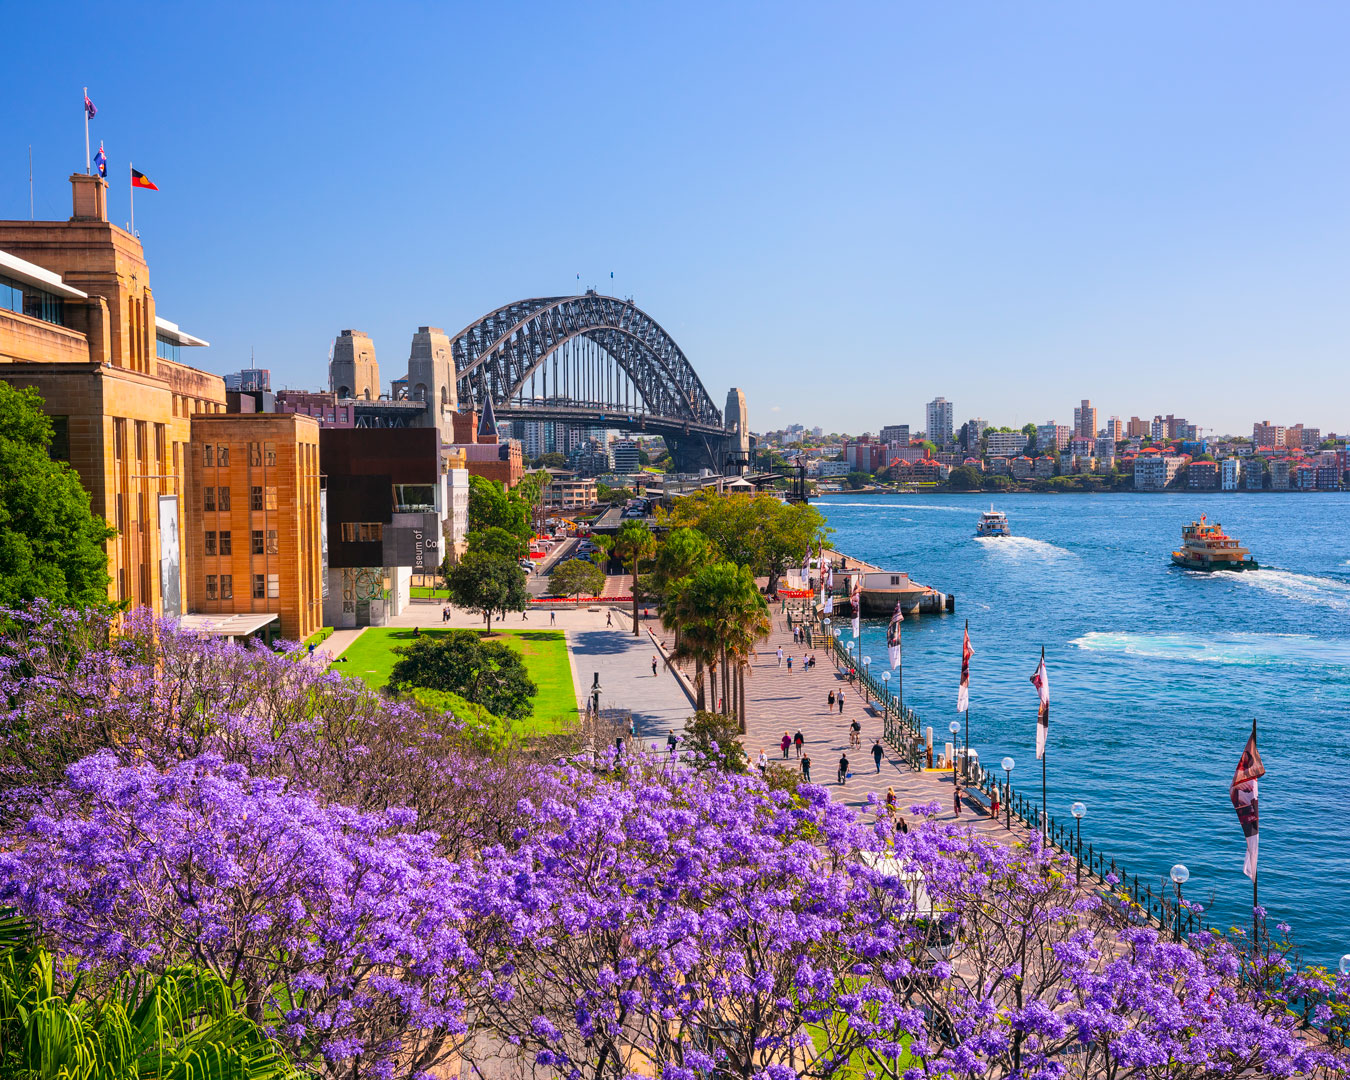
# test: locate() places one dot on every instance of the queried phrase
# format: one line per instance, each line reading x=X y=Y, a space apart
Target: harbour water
x=1156 y=673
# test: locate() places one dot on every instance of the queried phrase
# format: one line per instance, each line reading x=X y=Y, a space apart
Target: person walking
x=789 y=659
x=780 y=656
x=609 y=618
x=890 y=800
x=877 y=754
x=671 y=743
x=829 y=702
x=855 y=734
x=653 y=667
x=806 y=768
x=800 y=740
x=763 y=762
x=841 y=703
x=553 y=618
x=843 y=767
x=956 y=800
x=786 y=744
x=993 y=803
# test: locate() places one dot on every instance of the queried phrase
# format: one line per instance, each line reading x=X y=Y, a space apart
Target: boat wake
x=1302 y=588
x=1240 y=649
x=1023 y=547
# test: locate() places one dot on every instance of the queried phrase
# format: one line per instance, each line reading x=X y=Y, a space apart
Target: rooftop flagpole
x=131 y=187
x=84 y=108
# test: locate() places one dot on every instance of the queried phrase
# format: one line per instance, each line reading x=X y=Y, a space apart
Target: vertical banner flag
x=829 y=603
x=855 y=598
x=963 y=694
x=893 y=636
x=1243 y=793
x=806 y=568
x=830 y=575
x=1042 y=684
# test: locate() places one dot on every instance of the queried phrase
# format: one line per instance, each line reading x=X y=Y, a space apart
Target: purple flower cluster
x=385 y=900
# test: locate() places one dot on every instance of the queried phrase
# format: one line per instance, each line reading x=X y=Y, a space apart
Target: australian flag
x=101 y=162
x=89 y=110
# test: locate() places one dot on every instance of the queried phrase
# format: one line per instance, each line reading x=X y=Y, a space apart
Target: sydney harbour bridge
x=598 y=361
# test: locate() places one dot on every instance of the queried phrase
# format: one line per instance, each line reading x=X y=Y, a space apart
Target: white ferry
x=993 y=523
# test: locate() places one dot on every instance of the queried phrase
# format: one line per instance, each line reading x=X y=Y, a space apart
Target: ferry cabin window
x=166 y=349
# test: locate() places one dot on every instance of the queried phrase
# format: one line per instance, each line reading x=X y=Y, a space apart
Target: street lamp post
x=849 y=649
x=1345 y=964
x=1078 y=810
x=867 y=667
x=1008 y=765
x=955 y=728
x=1179 y=875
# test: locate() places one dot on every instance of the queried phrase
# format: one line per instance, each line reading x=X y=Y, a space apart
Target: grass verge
x=371 y=657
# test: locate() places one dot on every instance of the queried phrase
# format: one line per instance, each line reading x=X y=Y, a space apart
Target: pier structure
x=881 y=589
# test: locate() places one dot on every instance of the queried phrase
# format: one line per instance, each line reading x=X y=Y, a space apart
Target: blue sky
x=845 y=209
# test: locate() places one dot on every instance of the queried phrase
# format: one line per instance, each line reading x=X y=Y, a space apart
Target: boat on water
x=1206 y=546
x=993 y=523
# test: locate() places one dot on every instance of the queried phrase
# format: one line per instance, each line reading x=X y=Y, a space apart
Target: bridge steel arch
x=496 y=356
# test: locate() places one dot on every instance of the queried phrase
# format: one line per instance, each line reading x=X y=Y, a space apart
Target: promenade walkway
x=658 y=702
x=779 y=700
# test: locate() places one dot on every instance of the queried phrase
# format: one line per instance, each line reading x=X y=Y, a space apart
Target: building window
x=223 y=498
x=270 y=454
x=209 y=456
x=210 y=542
x=166 y=350
x=254 y=454
x=208 y=500
x=210 y=586
x=59 y=448
x=38 y=304
x=256 y=547
x=259 y=587
x=223 y=455
x=11 y=295
x=271 y=541
x=273 y=586
x=362 y=532
x=271 y=497
x=226 y=548
x=255 y=497
x=227 y=586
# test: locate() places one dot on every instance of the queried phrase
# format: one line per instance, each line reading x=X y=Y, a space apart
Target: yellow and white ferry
x=1208 y=547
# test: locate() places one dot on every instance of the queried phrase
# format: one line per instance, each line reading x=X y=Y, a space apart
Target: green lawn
x=371 y=657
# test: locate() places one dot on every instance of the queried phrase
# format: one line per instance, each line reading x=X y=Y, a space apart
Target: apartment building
x=1005 y=444
x=1155 y=472
x=1085 y=420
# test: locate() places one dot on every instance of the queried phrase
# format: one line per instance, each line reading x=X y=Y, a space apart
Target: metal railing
x=901 y=729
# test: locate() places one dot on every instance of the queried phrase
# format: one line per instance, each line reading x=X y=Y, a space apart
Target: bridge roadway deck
x=778 y=700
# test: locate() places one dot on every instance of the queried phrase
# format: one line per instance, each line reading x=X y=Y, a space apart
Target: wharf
x=883 y=589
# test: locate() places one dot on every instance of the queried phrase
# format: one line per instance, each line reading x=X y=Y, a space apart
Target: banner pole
x=131 y=188
x=1043 y=757
x=1255 y=873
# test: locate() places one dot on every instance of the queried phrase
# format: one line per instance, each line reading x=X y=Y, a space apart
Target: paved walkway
x=658 y=702
x=780 y=700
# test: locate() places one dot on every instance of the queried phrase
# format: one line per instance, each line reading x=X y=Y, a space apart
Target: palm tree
x=634 y=543
x=695 y=635
x=183 y=1024
x=682 y=552
x=721 y=616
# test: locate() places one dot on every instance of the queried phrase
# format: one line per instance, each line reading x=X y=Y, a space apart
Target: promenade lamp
x=1180 y=875
x=1345 y=964
x=1008 y=765
x=849 y=649
x=867 y=668
x=955 y=728
x=886 y=685
x=1079 y=811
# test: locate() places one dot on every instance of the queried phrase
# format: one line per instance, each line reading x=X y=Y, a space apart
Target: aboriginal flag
x=140 y=180
x=1243 y=793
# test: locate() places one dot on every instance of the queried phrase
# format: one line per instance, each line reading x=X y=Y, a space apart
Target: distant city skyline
x=845 y=212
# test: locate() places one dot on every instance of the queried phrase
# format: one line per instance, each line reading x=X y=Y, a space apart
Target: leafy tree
x=491 y=506
x=644 y=458
x=530 y=490
x=486 y=673
x=497 y=541
x=721 y=614
x=857 y=479
x=715 y=741
x=930 y=446
x=632 y=545
x=997 y=483
x=682 y=552
x=549 y=461
x=51 y=545
x=486 y=583
x=965 y=478
x=577 y=577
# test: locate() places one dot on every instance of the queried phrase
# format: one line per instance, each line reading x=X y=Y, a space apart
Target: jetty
x=882 y=589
